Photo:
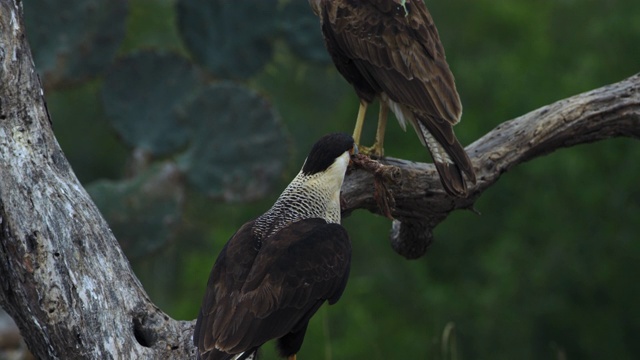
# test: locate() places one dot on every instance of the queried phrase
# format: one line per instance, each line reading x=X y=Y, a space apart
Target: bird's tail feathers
x=247 y=355
x=215 y=354
x=451 y=160
x=451 y=179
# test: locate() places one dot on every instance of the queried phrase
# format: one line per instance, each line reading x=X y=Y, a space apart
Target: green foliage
x=83 y=131
x=230 y=38
x=145 y=112
x=144 y=211
x=151 y=24
x=547 y=270
x=235 y=40
x=238 y=146
x=302 y=31
x=77 y=42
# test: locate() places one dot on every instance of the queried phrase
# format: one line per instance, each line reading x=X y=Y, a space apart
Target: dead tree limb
x=69 y=287
x=421 y=204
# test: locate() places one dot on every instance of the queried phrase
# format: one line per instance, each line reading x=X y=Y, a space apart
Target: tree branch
x=421 y=204
x=69 y=287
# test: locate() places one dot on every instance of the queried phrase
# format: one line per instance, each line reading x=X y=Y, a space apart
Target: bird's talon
x=371 y=151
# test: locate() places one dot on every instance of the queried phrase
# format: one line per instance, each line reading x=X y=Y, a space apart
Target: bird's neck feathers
x=307 y=196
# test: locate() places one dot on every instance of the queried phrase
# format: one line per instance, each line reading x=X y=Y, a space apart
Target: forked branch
x=69 y=287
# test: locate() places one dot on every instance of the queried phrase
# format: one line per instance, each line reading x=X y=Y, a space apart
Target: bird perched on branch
x=390 y=50
x=277 y=270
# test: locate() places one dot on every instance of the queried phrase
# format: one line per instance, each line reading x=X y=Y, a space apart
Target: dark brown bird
x=391 y=50
x=277 y=270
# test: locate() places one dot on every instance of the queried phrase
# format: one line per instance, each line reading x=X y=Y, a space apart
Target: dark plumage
x=277 y=270
x=390 y=49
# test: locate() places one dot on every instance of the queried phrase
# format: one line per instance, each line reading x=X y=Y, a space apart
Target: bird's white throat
x=307 y=196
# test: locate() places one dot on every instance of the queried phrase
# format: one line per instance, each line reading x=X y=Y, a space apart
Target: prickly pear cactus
x=238 y=147
x=74 y=42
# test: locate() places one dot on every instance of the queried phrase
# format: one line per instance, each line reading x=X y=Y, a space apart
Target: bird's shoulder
x=303 y=251
x=306 y=231
x=383 y=23
x=306 y=261
x=236 y=257
x=305 y=245
x=230 y=270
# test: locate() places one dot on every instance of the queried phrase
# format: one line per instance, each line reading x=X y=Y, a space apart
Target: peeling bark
x=69 y=287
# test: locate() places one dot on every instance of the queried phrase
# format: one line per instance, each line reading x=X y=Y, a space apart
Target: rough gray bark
x=70 y=289
x=64 y=278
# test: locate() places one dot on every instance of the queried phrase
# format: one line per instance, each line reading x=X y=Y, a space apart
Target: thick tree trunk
x=70 y=289
x=63 y=276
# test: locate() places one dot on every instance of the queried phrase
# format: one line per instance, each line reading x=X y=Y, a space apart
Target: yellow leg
x=292 y=357
x=359 y=122
x=378 y=146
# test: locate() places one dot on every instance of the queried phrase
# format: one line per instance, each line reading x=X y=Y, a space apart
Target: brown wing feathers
x=277 y=290
x=402 y=57
x=407 y=62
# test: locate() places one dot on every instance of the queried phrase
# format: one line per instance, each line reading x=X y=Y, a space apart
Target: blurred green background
x=156 y=102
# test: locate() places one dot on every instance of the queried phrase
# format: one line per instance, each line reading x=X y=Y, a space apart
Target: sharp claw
x=374 y=151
